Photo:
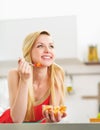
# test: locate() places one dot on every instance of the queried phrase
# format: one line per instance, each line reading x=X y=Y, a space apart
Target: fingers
x=19 y=60
x=53 y=117
x=24 y=68
x=64 y=114
x=54 y=114
x=49 y=116
x=59 y=116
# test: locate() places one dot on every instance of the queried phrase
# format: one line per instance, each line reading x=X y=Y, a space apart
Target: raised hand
x=24 y=69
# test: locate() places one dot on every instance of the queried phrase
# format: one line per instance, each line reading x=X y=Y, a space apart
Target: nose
x=46 y=49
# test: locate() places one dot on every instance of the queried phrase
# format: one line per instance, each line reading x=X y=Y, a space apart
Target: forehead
x=44 y=38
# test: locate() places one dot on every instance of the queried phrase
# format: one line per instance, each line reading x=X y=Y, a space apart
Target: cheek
x=54 y=55
x=34 y=52
x=35 y=55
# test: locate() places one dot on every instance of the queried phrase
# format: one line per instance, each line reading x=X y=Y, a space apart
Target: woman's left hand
x=54 y=117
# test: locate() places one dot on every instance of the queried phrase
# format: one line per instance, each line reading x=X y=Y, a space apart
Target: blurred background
x=75 y=27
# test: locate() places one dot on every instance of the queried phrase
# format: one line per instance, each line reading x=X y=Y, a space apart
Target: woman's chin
x=46 y=64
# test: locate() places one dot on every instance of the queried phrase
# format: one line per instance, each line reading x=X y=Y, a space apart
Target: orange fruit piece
x=47 y=107
x=55 y=109
x=38 y=64
x=63 y=109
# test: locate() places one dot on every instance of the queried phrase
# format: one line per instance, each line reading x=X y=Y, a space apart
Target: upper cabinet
x=62 y=28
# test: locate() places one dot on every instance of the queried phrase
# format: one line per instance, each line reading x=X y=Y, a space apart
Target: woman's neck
x=40 y=76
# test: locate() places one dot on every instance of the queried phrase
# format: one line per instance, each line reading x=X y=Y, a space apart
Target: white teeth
x=46 y=57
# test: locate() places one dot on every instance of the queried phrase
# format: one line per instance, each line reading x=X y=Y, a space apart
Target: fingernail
x=19 y=59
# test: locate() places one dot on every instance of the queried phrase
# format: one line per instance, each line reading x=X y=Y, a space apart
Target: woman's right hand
x=24 y=69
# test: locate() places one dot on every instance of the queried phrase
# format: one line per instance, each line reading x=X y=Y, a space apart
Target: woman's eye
x=39 y=46
x=51 y=46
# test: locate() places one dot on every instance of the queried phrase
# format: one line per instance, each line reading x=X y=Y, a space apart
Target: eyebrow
x=43 y=43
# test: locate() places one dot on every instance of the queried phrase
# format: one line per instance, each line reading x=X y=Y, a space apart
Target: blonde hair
x=56 y=76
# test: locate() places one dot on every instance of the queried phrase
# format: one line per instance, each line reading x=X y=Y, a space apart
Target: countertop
x=49 y=126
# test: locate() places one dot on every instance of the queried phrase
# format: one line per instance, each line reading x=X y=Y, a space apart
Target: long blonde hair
x=56 y=75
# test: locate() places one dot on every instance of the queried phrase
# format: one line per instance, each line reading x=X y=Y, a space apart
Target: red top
x=6 y=118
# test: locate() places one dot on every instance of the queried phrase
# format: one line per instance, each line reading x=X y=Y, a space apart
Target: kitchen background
x=75 y=25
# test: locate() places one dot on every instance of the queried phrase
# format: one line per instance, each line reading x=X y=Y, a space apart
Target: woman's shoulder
x=13 y=72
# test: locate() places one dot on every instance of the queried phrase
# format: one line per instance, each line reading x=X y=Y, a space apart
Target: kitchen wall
x=87 y=12
x=84 y=80
x=85 y=77
x=62 y=28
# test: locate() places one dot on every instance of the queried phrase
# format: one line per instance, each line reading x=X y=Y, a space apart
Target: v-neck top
x=37 y=109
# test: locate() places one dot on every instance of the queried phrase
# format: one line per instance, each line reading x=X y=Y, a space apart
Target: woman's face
x=43 y=50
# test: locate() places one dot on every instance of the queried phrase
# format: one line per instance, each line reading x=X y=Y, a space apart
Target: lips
x=47 y=57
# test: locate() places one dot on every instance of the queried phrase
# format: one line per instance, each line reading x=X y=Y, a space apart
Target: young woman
x=37 y=81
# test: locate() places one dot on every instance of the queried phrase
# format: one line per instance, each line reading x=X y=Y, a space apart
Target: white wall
x=62 y=28
x=87 y=12
x=81 y=110
x=84 y=81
